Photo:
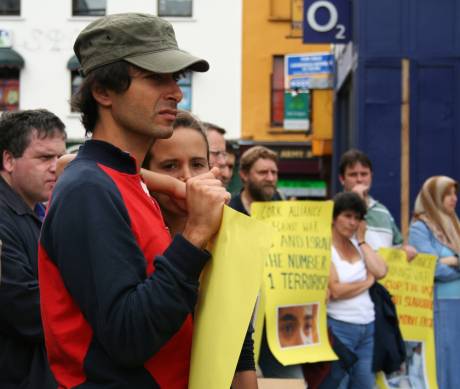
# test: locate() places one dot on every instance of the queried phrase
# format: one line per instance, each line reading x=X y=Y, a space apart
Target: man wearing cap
x=117 y=293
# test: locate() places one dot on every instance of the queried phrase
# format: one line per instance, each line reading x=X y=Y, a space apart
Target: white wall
x=45 y=32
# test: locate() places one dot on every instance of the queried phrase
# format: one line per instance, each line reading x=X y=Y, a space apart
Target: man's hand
x=362 y=190
x=410 y=251
x=361 y=232
x=205 y=198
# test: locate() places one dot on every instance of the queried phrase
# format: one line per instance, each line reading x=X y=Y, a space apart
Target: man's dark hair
x=16 y=129
x=349 y=201
x=115 y=77
x=214 y=127
x=351 y=157
x=183 y=119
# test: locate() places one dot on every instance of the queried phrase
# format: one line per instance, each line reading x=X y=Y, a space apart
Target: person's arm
x=19 y=293
x=246 y=359
x=451 y=260
x=361 y=190
x=155 y=182
x=245 y=380
x=422 y=239
x=205 y=200
x=89 y=236
x=341 y=290
x=374 y=262
x=162 y=183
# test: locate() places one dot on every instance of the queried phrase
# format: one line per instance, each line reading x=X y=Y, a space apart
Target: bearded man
x=259 y=174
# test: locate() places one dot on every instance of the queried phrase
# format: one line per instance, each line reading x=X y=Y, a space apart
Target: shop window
x=89 y=7
x=185 y=84
x=277 y=91
x=75 y=77
x=9 y=89
x=10 y=7
x=175 y=8
x=75 y=82
x=280 y=10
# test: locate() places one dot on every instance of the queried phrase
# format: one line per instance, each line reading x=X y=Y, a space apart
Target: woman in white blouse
x=355 y=267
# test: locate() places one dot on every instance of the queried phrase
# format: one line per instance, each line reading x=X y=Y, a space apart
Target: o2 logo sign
x=327 y=21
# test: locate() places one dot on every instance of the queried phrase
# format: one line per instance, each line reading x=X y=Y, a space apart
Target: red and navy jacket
x=116 y=293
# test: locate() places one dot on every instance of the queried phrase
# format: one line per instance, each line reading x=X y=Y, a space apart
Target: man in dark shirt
x=30 y=144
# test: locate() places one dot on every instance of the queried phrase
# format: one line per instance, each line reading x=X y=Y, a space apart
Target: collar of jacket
x=13 y=200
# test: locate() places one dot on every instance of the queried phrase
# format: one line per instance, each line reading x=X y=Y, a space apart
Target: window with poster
x=89 y=7
x=10 y=7
x=185 y=84
x=175 y=8
x=75 y=77
x=9 y=89
x=11 y=63
x=277 y=92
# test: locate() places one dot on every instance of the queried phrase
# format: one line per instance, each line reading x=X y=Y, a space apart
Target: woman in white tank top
x=354 y=268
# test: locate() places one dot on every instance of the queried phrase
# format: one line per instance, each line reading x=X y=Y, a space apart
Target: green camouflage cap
x=143 y=40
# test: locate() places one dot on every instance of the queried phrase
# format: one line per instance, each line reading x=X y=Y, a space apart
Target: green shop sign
x=297 y=111
x=302 y=188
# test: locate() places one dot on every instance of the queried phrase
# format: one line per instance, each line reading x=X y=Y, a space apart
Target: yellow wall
x=266 y=31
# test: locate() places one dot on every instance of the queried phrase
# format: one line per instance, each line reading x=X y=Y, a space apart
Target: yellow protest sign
x=411 y=285
x=229 y=287
x=296 y=279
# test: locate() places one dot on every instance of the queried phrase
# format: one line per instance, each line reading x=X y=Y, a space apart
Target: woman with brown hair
x=435 y=229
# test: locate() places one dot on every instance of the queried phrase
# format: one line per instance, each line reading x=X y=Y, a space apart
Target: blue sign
x=309 y=71
x=327 y=21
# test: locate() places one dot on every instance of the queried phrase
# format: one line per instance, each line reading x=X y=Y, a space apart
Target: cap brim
x=169 y=61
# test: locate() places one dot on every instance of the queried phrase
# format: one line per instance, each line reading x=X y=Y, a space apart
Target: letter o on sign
x=333 y=16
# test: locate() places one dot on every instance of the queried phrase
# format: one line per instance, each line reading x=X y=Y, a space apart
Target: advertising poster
x=303 y=72
x=411 y=285
x=296 y=279
x=230 y=284
x=309 y=71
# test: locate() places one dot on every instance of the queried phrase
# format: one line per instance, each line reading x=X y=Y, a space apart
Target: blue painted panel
x=435 y=121
x=434 y=29
x=380 y=131
x=382 y=30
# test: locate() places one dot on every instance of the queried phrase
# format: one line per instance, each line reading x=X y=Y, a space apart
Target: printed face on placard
x=297 y=325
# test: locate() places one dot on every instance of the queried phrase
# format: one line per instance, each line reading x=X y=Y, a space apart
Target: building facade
x=271 y=31
x=38 y=67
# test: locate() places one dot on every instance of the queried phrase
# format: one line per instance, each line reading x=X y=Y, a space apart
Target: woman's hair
x=183 y=119
x=429 y=208
x=349 y=201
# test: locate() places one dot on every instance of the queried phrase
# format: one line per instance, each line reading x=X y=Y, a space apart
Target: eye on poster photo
x=412 y=373
x=298 y=325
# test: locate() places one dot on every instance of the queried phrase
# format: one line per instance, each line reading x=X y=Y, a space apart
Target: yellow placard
x=296 y=279
x=229 y=287
x=411 y=285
